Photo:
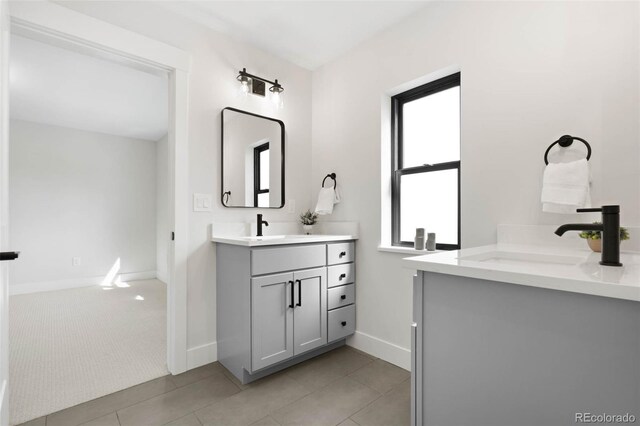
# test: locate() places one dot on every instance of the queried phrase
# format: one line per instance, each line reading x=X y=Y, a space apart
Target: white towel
x=326 y=199
x=565 y=187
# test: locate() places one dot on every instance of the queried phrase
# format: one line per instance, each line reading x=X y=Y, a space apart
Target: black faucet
x=260 y=223
x=609 y=230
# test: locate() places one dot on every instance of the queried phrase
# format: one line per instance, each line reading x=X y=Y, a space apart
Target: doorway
x=88 y=171
x=82 y=33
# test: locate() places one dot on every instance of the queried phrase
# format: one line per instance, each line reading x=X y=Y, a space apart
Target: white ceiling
x=307 y=33
x=56 y=86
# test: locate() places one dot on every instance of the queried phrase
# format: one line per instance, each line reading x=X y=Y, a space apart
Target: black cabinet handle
x=291 y=304
x=344 y=323
x=299 y=293
x=342 y=276
x=344 y=296
x=9 y=255
x=343 y=253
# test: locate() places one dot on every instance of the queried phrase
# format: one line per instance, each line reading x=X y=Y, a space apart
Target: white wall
x=162 y=208
x=213 y=86
x=79 y=194
x=531 y=71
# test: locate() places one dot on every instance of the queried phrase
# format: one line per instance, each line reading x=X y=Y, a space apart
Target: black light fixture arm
x=244 y=73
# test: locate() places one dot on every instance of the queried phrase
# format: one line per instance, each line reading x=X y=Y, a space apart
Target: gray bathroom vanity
x=282 y=300
x=524 y=335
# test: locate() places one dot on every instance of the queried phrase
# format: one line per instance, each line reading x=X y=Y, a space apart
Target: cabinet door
x=271 y=320
x=310 y=313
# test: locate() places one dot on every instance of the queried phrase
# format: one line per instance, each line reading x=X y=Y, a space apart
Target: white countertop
x=276 y=240
x=554 y=268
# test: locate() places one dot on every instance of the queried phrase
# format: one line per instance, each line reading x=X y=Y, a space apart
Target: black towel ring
x=566 y=141
x=227 y=195
x=333 y=177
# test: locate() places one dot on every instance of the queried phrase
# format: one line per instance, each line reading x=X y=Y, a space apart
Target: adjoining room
x=88 y=197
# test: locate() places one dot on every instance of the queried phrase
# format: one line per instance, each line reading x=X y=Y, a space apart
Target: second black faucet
x=609 y=230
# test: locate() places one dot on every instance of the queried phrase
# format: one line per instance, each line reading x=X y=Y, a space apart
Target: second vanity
x=544 y=333
x=282 y=300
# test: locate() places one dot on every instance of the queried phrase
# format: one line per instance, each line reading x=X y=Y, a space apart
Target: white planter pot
x=307 y=229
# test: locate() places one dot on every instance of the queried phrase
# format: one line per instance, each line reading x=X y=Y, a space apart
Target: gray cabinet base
x=499 y=354
x=245 y=377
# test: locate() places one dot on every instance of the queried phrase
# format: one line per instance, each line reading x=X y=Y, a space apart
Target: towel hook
x=333 y=177
x=566 y=141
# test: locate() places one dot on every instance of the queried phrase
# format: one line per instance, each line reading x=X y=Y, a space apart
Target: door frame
x=83 y=33
x=4 y=195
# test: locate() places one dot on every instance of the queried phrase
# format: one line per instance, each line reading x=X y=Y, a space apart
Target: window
x=261 y=175
x=425 y=175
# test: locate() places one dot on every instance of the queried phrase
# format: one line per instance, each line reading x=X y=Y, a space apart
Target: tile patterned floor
x=344 y=387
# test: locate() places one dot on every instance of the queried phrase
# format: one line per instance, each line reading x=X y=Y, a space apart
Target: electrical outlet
x=76 y=261
x=291 y=205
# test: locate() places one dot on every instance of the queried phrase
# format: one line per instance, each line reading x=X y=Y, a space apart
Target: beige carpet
x=71 y=346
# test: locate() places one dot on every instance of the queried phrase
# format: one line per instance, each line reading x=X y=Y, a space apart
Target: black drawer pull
x=291 y=284
x=344 y=323
x=342 y=276
x=299 y=293
x=344 y=296
x=343 y=253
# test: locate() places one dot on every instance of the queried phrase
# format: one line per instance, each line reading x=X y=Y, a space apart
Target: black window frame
x=257 y=185
x=397 y=171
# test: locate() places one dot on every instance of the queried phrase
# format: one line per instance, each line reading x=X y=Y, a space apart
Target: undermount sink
x=263 y=238
x=519 y=258
x=275 y=237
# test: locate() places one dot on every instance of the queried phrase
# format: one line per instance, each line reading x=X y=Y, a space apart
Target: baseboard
x=202 y=355
x=4 y=404
x=208 y=353
x=162 y=277
x=134 y=276
x=36 y=287
x=381 y=349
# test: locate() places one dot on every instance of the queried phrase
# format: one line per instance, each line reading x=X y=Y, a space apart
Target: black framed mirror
x=252 y=160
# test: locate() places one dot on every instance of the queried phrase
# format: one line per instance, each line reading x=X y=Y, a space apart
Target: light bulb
x=244 y=87
x=244 y=84
x=276 y=94
x=276 y=98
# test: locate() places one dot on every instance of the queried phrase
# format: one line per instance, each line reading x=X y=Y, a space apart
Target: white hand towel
x=326 y=199
x=565 y=187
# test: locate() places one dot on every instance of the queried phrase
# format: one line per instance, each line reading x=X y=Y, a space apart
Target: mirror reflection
x=252 y=160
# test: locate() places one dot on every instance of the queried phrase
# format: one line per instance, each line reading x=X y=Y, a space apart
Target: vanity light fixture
x=246 y=80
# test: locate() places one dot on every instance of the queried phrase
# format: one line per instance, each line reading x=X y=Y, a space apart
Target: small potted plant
x=594 y=238
x=308 y=219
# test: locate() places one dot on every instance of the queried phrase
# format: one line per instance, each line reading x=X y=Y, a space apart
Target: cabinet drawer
x=342 y=322
x=338 y=297
x=340 y=253
x=340 y=275
x=280 y=259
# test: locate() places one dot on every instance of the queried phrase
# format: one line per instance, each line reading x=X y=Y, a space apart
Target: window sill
x=406 y=250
